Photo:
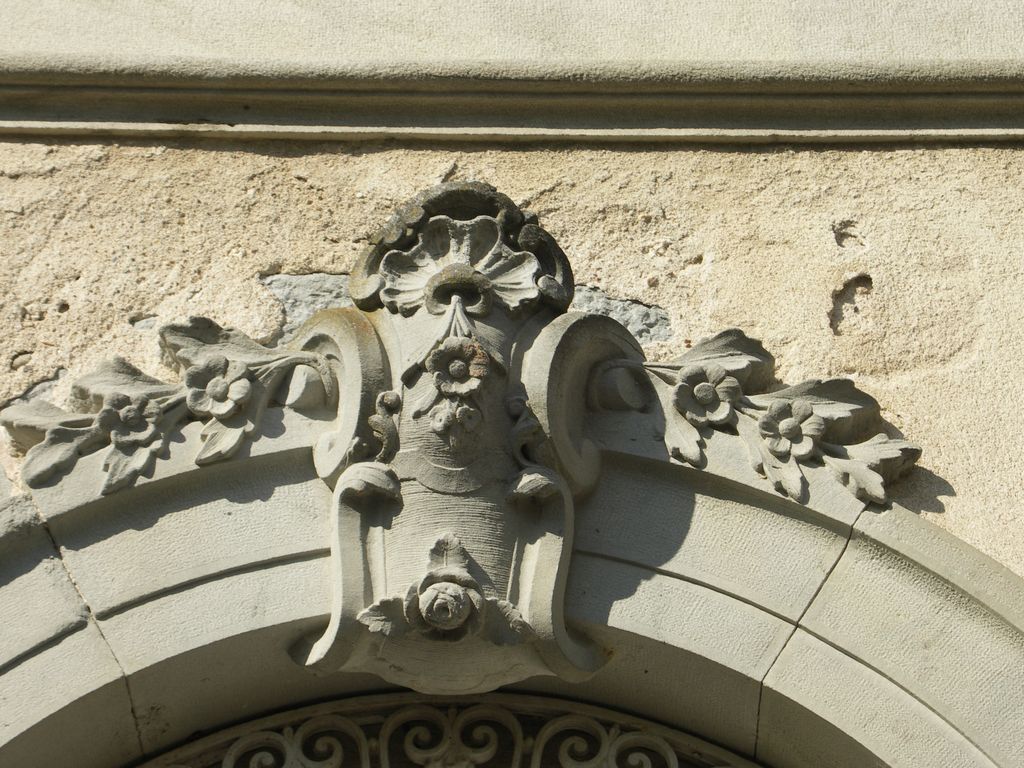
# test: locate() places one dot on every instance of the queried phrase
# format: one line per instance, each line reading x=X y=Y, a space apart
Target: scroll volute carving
x=459 y=529
x=459 y=413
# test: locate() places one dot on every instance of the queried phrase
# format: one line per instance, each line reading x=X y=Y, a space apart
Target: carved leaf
x=863 y=482
x=27 y=422
x=117 y=376
x=505 y=624
x=737 y=353
x=849 y=412
x=683 y=439
x=890 y=457
x=864 y=468
x=785 y=475
x=187 y=344
x=124 y=464
x=59 y=451
x=448 y=551
x=385 y=616
x=220 y=441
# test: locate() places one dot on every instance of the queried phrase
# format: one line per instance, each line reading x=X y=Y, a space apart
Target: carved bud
x=128 y=419
x=445 y=605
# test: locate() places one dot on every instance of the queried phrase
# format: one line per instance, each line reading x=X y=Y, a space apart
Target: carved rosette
x=459 y=413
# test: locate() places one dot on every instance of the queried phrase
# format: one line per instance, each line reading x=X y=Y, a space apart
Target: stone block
x=936 y=617
x=73 y=688
x=758 y=548
x=217 y=519
x=686 y=639
x=38 y=602
x=824 y=708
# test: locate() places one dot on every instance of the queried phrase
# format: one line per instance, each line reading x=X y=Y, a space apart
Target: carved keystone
x=459 y=413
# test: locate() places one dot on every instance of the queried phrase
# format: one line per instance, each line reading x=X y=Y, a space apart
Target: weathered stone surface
x=759 y=239
x=817 y=700
x=78 y=683
x=647 y=323
x=871 y=598
x=591 y=41
x=697 y=530
x=302 y=296
x=30 y=566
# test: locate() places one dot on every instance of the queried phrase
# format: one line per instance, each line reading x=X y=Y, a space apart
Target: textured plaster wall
x=900 y=268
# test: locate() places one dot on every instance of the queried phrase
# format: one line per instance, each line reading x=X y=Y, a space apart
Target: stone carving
x=447 y=604
x=229 y=382
x=722 y=384
x=458 y=408
x=455 y=736
x=456 y=290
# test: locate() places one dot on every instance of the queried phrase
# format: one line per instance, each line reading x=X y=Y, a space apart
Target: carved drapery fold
x=459 y=413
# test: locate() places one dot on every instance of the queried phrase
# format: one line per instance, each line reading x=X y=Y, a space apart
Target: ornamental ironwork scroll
x=499 y=731
x=459 y=411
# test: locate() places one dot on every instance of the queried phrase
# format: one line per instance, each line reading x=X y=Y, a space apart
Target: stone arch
x=298 y=525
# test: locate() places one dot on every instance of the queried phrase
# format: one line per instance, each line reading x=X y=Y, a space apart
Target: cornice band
x=515 y=112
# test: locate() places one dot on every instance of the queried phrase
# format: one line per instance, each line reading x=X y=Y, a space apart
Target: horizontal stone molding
x=694 y=71
x=513 y=112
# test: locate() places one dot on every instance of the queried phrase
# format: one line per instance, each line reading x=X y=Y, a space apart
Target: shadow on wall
x=920 y=491
x=662 y=516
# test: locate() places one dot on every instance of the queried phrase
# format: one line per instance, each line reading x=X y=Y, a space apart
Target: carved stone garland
x=461 y=401
x=498 y=732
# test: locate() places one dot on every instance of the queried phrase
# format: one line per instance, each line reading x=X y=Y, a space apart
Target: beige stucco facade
x=502 y=384
x=102 y=242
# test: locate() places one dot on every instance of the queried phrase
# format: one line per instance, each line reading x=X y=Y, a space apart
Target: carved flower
x=217 y=387
x=445 y=414
x=446 y=604
x=459 y=366
x=706 y=394
x=791 y=428
x=127 y=420
x=468 y=259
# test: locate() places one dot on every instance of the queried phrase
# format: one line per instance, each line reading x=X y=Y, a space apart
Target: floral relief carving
x=706 y=394
x=458 y=366
x=458 y=402
x=791 y=428
x=447 y=603
x=786 y=431
x=229 y=382
x=218 y=387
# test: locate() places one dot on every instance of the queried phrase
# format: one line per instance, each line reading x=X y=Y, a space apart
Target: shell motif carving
x=459 y=413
